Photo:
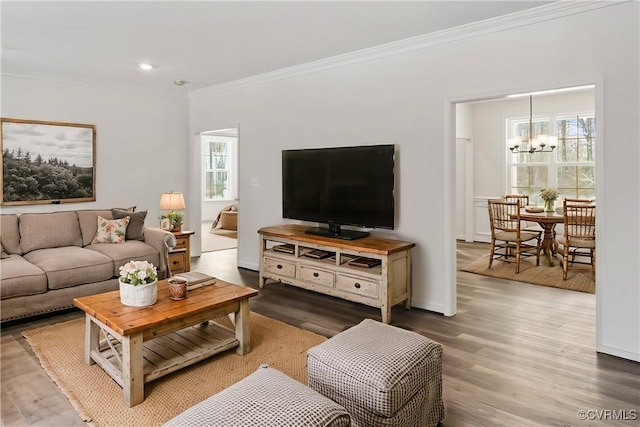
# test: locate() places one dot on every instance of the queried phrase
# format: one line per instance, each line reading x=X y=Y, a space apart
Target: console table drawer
x=280 y=267
x=358 y=286
x=316 y=275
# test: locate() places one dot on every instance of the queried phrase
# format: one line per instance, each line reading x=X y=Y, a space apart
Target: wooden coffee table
x=145 y=343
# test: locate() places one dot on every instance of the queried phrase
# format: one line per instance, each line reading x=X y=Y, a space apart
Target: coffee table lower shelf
x=168 y=353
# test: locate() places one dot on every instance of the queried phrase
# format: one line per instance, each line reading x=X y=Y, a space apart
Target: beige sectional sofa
x=48 y=259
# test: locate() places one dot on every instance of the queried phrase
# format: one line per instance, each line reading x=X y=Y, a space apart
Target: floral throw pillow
x=111 y=230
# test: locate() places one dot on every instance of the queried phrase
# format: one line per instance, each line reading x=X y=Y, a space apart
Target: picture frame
x=47 y=162
x=165 y=224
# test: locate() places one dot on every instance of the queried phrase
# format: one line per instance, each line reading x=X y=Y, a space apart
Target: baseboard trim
x=248 y=265
x=624 y=354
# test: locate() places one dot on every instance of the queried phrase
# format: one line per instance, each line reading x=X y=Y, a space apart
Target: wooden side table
x=180 y=255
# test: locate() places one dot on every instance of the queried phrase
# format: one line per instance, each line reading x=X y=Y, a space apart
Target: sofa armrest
x=163 y=241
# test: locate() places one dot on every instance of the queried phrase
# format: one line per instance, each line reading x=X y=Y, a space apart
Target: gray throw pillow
x=135 y=229
x=129 y=209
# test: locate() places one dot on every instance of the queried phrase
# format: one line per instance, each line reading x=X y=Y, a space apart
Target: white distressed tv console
x=336 y=267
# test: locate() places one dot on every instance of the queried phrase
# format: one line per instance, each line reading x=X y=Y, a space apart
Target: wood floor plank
x=515 y=354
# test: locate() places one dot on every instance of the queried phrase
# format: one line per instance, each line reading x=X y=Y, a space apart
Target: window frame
x=552 y=163
x=231 y=142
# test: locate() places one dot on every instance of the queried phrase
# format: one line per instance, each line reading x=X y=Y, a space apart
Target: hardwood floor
x=515 y=354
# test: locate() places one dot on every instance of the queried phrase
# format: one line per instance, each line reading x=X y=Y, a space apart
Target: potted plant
x=138 y=284
x=175 y=218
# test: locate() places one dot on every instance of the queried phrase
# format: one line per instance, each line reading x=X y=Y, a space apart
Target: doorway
x=219 y=194
x=482 y=128
x=484 y=165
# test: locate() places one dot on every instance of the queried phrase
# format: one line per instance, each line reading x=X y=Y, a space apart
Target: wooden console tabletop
x=146 y=343
x=373 y=245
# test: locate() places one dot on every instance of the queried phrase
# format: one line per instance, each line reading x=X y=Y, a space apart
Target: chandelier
x=540 y=144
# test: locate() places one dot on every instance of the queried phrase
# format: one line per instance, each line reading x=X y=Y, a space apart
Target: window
x=219 y=179
x=575 y=157
x=570 y=168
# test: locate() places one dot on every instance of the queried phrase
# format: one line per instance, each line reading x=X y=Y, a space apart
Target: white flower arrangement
x=138 y=273
x=548 y=195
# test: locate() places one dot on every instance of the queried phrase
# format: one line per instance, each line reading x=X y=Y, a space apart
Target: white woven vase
x=140 y=295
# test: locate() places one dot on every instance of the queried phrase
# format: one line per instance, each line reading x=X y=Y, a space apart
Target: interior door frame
x=449 y=151
x=195 y=180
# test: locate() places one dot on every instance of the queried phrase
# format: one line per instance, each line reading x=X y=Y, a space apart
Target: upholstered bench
x=266 y=398
x=382 y=375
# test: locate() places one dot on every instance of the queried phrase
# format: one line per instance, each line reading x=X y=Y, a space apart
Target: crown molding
x=110 y=86
x=507 y=22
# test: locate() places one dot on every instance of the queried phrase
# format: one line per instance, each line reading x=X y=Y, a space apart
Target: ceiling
x=206 y=43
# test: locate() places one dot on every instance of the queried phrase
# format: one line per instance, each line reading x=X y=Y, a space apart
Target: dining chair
x=508 y=241
x=579 y=234
x=580 y=201
x=523 y=200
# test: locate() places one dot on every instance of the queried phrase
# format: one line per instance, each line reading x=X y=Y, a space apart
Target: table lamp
x=171 y=202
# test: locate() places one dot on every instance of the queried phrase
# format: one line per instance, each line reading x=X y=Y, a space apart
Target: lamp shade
x=171 y=201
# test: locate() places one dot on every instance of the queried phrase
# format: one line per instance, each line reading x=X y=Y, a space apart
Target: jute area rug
x=543 y=275
x=99 y=401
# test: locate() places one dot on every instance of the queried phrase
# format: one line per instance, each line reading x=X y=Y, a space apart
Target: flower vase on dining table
x=548 y=206
x=549 y=196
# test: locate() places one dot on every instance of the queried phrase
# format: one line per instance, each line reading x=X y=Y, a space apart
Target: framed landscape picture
x=47 y=162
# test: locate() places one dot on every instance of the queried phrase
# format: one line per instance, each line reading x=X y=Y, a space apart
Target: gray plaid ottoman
x=382 y=375
x=266 y=398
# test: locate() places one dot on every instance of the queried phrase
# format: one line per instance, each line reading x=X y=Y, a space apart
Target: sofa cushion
x=135 y=229
x=89 y=223
x=3 y=254
x=71 y=266
x=18 y=277
x=122 y=253
x=267 y=397
x=49 y=230
x=111 y=230
x=10 y=233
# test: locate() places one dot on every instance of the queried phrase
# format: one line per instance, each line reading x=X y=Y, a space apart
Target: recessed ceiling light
x=145 y=66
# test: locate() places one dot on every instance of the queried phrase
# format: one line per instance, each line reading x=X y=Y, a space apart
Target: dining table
x=548 y=221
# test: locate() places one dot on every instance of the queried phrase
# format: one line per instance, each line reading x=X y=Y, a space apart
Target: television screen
x=340 y=186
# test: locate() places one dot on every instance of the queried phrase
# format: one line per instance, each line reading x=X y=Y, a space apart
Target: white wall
x=406 y=98
x=464 y=170
x=464 y=121
x=141 y=139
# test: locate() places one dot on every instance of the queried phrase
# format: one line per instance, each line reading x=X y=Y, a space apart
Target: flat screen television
x=340 y=186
